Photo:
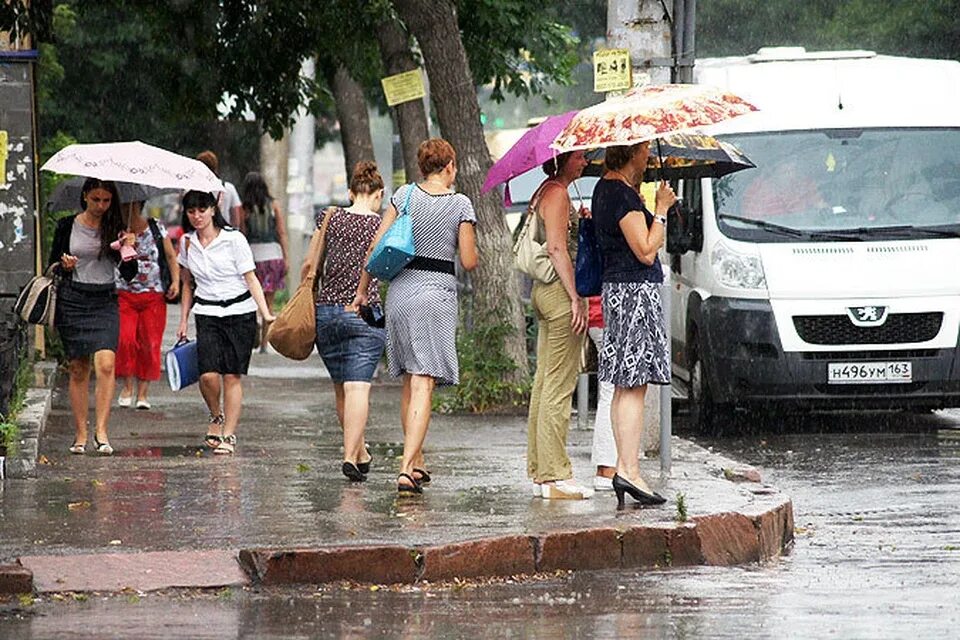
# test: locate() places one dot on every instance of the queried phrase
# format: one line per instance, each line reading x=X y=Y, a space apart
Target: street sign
x=611 y=70
x=3 y=158
x=403 y=87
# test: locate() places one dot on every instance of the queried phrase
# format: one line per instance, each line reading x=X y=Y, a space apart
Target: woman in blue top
x=635 y=350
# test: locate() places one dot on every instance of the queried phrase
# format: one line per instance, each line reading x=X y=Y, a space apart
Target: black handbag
x=37 y=301
x=166 y=278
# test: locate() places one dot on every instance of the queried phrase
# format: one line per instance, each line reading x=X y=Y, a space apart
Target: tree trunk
x=411 y=117
x=496 y=293
x=353 y=118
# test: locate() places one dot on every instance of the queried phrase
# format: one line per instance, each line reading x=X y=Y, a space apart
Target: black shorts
x=224 y=344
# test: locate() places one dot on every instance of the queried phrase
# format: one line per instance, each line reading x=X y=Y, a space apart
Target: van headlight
x=737 y=270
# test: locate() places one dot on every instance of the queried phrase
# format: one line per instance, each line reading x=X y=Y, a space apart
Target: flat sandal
x=406 y=489
x=213 y=440
x=228 y=446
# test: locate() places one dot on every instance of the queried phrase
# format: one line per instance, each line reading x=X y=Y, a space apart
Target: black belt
x=223 y=303
x=431 y=264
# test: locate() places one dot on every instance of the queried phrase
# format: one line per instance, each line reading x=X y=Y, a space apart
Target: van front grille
x=866 y=356
x=899 y=328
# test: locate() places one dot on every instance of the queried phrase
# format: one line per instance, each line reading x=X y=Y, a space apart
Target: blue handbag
x=395 y=249
x=589 y=268
x=182 y=366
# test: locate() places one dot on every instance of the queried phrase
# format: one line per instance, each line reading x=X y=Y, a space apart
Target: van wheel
x=706 y=416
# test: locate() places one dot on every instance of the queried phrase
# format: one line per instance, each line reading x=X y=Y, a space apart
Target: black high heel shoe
x=622 y=485
x=352 y=471
x=364 y=467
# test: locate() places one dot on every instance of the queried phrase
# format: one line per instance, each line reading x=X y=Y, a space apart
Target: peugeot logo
x=868 y=316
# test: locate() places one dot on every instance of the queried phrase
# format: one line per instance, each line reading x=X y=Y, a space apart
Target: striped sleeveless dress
x=422 y=308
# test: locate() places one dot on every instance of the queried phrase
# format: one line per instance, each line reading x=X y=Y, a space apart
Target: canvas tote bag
x=294 y=332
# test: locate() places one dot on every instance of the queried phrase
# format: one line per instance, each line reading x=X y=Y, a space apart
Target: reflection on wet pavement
x=877 y=556
x=164 y=490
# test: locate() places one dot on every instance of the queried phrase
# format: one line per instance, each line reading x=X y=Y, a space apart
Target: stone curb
x=15 y=579
x=722 y=539
x=31 y=421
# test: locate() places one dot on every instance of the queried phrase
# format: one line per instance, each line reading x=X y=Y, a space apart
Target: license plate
x=869 y=372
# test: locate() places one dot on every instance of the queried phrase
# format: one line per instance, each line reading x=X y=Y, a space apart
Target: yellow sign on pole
x=403 y=87
x=611 y=70
x=4 y=139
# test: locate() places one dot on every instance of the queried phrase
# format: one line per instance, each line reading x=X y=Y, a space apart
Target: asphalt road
x=877 y=555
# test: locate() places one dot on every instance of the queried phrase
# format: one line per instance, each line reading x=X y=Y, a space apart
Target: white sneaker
x=565 y=490
x=537 y=490
x=125 y=401
x=601 y=483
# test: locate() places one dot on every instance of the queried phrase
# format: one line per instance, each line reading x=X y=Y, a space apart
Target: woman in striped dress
x=422 y=307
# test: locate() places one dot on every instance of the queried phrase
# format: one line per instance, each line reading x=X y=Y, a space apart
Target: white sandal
x=228 y=445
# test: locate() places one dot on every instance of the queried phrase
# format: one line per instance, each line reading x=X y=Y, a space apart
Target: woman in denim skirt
x=350 y=344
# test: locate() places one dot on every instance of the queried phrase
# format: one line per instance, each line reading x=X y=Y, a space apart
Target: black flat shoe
x=424 y=476
x=407 y=488
x=364 y=467
x=622 y=485
x=353 y=472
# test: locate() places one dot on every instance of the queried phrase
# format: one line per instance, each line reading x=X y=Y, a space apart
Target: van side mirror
x=684 y=228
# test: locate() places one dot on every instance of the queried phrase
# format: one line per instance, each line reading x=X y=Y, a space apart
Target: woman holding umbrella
x=562 y=320
x=635 y=351
x=87 y=318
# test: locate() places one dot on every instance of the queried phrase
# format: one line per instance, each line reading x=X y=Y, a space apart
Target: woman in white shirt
x=225 y=305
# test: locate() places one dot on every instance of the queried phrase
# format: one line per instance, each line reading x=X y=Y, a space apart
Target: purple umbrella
x=531 y=150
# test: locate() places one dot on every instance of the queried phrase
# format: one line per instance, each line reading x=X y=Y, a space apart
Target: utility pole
x=661 y=42
x=274 y=156
x=300 y=185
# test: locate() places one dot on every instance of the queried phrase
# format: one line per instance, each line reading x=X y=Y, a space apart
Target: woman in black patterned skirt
x=422 y=307
x=87 y=317
x=635 y=350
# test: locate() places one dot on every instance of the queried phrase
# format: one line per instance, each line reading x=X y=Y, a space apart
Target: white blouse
x=218 y=271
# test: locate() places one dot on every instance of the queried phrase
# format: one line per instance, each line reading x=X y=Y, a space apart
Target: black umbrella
x=683 y=156
x=66 y=195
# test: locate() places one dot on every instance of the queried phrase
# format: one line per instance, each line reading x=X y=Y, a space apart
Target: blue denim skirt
x=350 y=348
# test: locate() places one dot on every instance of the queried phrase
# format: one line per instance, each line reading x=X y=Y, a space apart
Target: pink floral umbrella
x=647 y=113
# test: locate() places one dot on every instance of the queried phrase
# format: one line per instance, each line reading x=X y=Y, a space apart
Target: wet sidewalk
x=281 y=506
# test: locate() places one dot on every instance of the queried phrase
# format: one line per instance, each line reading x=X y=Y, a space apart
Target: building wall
x=18 y=203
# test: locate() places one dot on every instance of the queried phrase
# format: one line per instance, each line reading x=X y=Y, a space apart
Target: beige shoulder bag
x=531 y=257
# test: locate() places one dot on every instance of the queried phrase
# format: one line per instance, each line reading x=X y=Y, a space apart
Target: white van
x=829 y=275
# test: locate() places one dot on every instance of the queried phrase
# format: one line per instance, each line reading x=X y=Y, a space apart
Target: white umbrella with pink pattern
x=647 y=113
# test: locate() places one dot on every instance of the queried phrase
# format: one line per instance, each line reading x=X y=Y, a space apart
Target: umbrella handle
x=660 y=157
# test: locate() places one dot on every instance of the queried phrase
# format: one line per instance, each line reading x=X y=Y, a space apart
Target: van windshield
x=837 y=185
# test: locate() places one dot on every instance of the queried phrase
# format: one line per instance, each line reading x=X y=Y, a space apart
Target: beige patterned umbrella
x=647 y=113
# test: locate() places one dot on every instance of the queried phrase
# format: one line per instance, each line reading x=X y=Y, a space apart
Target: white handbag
x=531 y=257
